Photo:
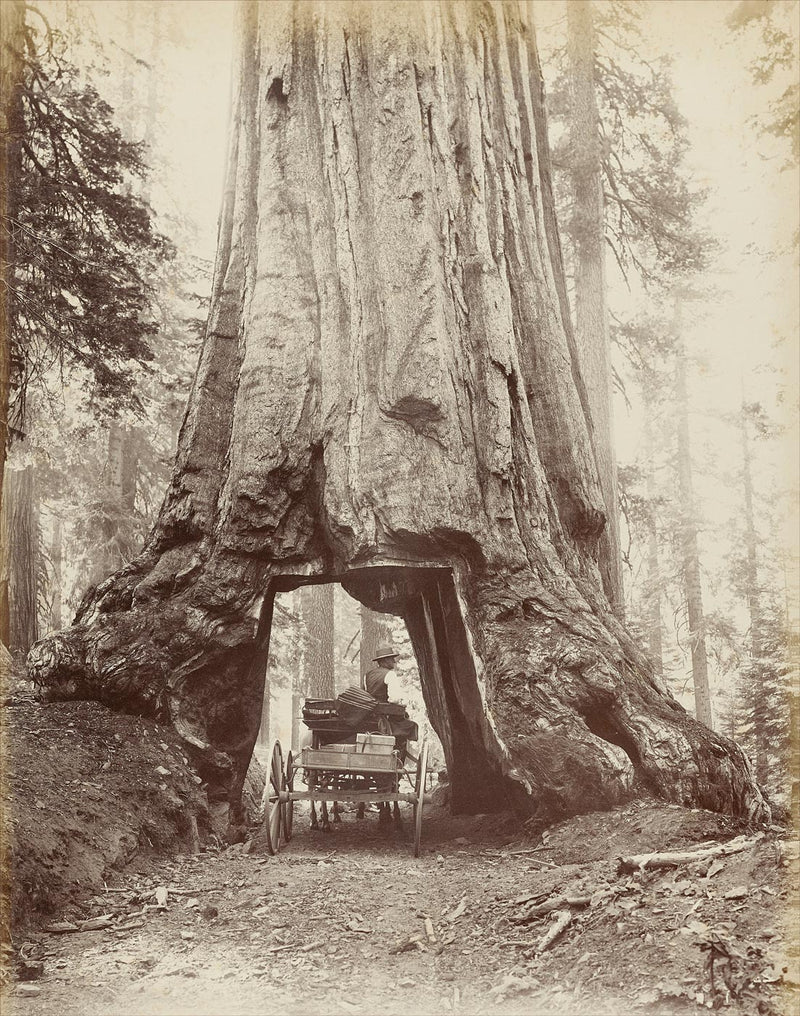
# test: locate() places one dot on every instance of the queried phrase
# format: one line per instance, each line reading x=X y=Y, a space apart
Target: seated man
x=375 y=678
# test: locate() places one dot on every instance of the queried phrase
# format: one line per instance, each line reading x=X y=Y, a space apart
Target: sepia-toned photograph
x=399 y=507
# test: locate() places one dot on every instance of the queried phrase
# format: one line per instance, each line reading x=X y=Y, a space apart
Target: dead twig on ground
x=556 y=903
x=672 y=859
x=563 y=919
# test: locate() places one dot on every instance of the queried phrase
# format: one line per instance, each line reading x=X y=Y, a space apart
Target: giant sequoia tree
x=388 y=395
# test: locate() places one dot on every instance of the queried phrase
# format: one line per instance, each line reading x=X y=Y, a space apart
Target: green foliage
x=83 y=245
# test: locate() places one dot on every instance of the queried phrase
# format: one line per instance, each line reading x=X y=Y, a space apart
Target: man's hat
x=383 y=651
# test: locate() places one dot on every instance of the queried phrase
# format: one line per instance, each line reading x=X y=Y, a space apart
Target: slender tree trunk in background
x=297 y=709
x=129 y=478
x=120 y=477
x=56 y=552
x=753 y=596
x=591 y=305
x=108 y=558
x=23 y=572
x=299 y=680
x=12 y=23
x=375 y=630
x=318 y=616
x=692 y=587
x=266 y=704
x=389 y=396
x=655 y=625
x=731 y=726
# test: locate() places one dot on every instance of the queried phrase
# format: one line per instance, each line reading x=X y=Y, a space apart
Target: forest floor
x=109 y=919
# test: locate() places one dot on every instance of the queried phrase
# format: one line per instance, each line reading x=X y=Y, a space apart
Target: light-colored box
x=375 y=744
x=343 y=761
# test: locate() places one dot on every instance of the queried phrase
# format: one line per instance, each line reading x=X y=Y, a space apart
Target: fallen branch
x=554 y=903
x=144 y=893
x=294 y=945
x=672 y=859
x=412 y=942
x=97 y=923
x=563 y=918
x=60 y=928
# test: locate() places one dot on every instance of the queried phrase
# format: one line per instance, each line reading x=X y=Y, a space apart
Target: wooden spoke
x=419 y=789
x=271 y=800
x=287 y=807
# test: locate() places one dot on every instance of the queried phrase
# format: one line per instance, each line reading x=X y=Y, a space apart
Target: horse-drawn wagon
x=357 y=755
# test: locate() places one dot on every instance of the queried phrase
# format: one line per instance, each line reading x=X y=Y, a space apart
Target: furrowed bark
x=12 y=28
x=23 y=576
x=388 y=397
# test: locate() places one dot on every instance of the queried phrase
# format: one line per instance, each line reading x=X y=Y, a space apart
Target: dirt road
x=336 y=924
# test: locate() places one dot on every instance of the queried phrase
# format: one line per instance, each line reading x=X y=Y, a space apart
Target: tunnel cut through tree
x=389 y=396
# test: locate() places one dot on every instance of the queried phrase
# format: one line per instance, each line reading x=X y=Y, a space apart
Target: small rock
x=30 y=970
x=439 y=859
x=738 y=893
x=187 y=936
x=406 y=982
x=163 y=745
x=209 y=912
x=106 y=766
x=162 y=771
x=30 y=990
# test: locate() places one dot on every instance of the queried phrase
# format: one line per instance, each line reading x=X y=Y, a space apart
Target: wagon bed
x=333 y=772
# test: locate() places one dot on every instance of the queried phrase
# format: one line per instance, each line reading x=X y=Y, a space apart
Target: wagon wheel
x=419 y=789
x=287 y=807
x=271 y=800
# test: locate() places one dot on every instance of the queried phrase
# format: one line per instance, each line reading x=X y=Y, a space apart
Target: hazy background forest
x=679 y=227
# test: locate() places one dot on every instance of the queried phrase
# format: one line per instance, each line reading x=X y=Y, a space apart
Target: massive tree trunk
x=690 y=553
x=587 y=230
x=388 y=395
